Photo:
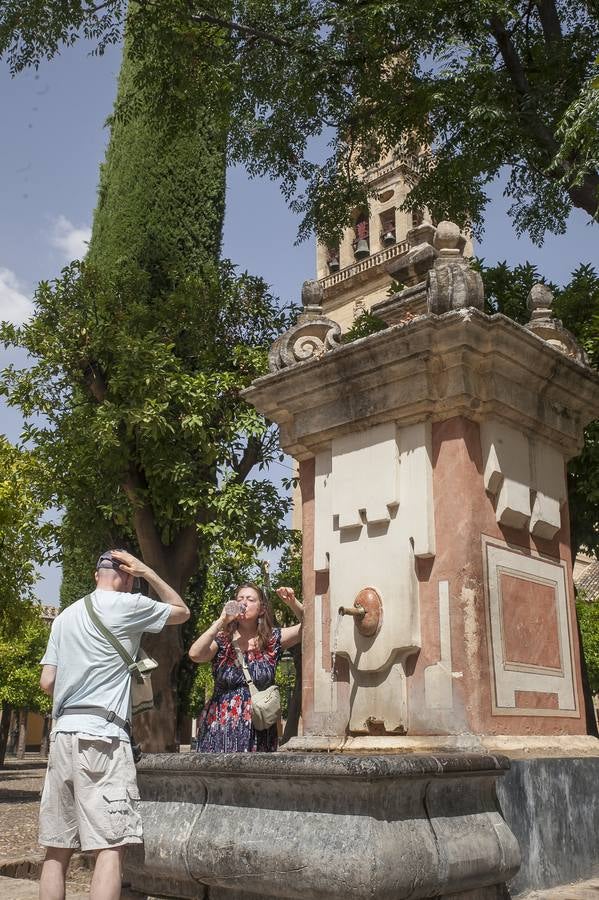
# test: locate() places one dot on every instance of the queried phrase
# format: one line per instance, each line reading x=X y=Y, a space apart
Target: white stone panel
x=549 y=484
x=380 y=488
x=507 y=678
x=416 y=487
x=323 y=513
x=438 y=678
x=507 y=475
x=374 y=703
x=366 y=476
x=325 y=688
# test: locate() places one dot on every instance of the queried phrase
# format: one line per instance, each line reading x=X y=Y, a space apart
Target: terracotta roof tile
x=589 y=581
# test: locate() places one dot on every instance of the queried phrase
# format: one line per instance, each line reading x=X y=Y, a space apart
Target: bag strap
x=246 y=672
x=126 y=657
x=107 y=714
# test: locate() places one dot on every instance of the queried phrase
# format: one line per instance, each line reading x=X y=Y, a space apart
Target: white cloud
x=70 y=240
x=15 y=306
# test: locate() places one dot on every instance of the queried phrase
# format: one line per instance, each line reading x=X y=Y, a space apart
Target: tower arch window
x=361 y=243
x=388 y=232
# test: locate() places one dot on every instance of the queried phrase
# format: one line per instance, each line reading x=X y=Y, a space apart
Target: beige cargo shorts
x=90 y=799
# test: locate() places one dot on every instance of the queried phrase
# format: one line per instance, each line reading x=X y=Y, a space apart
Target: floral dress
x=225 y=725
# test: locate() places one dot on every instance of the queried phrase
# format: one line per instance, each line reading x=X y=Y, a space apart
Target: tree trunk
x=23 y=716
x=45 y=742
x=156 y=731
x=13 y=733
x=295 y=704
x=4 y=730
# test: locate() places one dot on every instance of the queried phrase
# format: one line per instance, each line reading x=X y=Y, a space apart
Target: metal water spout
x=367 y=611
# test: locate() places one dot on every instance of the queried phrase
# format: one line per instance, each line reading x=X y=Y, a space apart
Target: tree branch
x=550 y=23
x=242 y=29
x=519 y=79
x=182 y=554
x=253 y=454
x=94 y=380
x=152 y=548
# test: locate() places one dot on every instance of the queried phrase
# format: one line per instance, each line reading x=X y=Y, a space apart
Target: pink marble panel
x=529 y=622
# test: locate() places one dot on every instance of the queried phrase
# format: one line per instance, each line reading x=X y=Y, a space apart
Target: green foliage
x=141 y=404
x=162 y=187
x=140 y=353
x=366 y=323
x=288 y=574
x=487 y=87
x=21 y=648
x=588 y=619
x=23 y=543
x=577 y=305
x=22 y=534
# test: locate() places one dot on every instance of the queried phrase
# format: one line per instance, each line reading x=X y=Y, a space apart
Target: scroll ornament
x=312 y=336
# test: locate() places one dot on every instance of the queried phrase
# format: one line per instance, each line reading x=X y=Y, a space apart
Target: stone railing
x=376 y=259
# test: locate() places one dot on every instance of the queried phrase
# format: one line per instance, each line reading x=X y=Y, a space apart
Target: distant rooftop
x=587 y=577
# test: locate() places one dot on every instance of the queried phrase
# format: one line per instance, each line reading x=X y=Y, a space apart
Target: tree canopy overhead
x=486 y=84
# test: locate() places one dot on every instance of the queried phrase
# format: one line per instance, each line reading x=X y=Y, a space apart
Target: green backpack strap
x=126 y=657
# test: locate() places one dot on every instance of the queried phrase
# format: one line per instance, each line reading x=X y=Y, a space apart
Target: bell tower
x=354 y=275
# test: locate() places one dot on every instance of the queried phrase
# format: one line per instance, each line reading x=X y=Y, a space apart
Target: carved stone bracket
x=312 y=336
x=452 y=282
x=545 y=325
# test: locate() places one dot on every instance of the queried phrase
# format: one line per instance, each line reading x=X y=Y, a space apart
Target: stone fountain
x=440 y=635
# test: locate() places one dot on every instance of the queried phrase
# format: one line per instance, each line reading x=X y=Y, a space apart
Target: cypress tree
x=161 y=197
x=158 y=219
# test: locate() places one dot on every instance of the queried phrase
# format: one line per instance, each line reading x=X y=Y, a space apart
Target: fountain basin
x=300 y=825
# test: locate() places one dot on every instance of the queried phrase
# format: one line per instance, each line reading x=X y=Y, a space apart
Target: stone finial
x=539 y=302
x=546 y=326
x=312 y=336
x=312 y=296
x=447 y=239
x=452 y=283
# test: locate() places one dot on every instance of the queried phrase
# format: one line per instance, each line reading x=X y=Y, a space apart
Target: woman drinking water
x=245 y=631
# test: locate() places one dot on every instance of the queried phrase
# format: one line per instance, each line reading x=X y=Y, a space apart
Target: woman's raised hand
x=286 y=594
x=230 y=613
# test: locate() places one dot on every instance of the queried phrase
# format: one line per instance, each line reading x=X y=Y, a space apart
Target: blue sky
x=54 y=141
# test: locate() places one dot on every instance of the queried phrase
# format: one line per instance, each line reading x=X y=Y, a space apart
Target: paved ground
x=21 y=782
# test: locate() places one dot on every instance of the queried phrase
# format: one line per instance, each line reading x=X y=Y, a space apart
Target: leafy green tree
x=21 y=648
x=139 y=357
x=22 y=546
x=577 y=305
x=588 y=620
x=22 y=534
x=487 y=86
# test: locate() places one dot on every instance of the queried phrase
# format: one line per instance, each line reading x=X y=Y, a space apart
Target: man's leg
x=54 y=871
x=106 y=881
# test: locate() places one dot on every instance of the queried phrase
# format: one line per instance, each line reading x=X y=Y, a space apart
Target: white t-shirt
x=89 y=671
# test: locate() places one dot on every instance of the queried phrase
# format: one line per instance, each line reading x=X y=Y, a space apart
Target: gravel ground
x=21 y=783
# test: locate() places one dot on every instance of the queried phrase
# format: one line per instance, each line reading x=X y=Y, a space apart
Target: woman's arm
x=292 y=635
x=205 y=647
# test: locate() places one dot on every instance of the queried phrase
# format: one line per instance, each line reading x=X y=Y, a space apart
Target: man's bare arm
x=47 y=679
x=128 y=563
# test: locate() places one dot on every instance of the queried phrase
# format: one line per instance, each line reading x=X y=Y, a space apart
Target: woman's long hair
x=266 y=619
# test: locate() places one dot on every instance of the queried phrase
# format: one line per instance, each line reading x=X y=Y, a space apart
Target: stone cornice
x=462 y=363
